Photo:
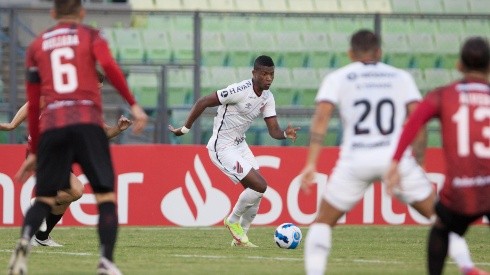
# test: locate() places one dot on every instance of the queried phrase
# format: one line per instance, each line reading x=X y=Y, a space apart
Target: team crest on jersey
x=248 y=105
x=224 y=93
x=238 y=168
x=351 y=76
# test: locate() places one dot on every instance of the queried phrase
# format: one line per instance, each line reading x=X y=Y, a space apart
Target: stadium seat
x=419 y=78
x=447 y=45
x=339 y=43
x=352 y=6
x=159 y=22
x=476 y=27
x=479 y=6
x=145 y=88
x=451 y=26
x=213 y=23
x=275 y=5
x=327 y=6
x=182 y=23
x=322 y=73
x=223 y=76
x=433 y=133
x=381 y=6
x=129 y=44
x=249 y=5
x=268 y=24
x=213 y=52
x=346 y=25
x=142 y=4
x=396 y=26
x=306 y=82
x=456 y=6
x=238 y=47
x=264 y=43
x=396 y=50
x=181 y=44
x=422 y=45
x=437 y=77
x=109 y=36
x=178 y=88
x=291 y=49
x=317 y=46
x=194 y=5
x=295 y=24
x=175 y=5
x=244 y=73
x=321 y=24
x=284 y=92
x=239 y=23
x=430 y=6
x=156 y=46
x=301 y=6
x=429 y=26
x=404 y=6
x=222 y=5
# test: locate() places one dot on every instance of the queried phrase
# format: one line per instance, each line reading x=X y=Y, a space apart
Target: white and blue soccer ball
x=288 y=236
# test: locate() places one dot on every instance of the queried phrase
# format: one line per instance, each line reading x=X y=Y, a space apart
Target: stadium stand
x=430 y=6
x=404 y=6
x=328 y=6
x=156 y=45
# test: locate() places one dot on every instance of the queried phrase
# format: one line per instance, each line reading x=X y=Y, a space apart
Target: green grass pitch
x=174 y=250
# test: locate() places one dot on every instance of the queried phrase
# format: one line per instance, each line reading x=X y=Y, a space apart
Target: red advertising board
x=179 y=186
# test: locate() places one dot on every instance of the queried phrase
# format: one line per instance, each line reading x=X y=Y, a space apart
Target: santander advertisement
x=179 y=186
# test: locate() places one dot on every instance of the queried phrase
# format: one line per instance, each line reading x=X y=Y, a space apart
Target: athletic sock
x=437 y=249
x=108 y=224
x=317 y=248
x=51 y=221
x=33 y=219
x=459 y=252
x=248 y=217
x=247 y=199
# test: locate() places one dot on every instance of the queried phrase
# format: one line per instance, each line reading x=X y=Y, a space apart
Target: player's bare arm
x=139 y=118
x=20 y=116
x=319 y=127
x=122 y=124
x=420 y=142
x=276 y=132
x=201 y=104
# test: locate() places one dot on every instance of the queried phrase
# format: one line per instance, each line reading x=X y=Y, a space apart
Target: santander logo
x=210 y=208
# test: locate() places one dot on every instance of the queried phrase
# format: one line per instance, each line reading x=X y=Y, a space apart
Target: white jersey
x=239 y=107
x=372 y=100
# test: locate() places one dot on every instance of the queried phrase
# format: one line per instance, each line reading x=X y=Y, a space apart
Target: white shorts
x=235 y=162
x=349 y=181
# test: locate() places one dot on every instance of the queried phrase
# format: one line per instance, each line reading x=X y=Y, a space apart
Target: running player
x=374 y=100
x=61 y=69
x=463 y=108
x=239 y=104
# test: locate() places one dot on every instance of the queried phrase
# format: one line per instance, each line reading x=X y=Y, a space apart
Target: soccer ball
x=287 y=235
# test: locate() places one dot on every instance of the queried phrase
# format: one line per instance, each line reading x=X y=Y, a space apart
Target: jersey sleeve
x=33 y=90
x=231 y=94
x=269 y=109
x=412 y=92
x=329 y=89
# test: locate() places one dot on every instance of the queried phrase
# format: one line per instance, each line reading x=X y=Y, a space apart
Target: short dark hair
x=67 y=7
x=475 y=54
x=364 y=41
x=263 y=60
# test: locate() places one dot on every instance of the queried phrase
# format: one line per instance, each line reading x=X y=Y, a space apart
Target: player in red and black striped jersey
x=463 y=108
x=61 y=68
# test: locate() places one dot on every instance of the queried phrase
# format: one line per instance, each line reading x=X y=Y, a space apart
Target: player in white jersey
x=239 y=104
x=374 y=99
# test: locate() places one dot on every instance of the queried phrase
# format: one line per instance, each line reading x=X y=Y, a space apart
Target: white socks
x=247 y=199
x=249 y=216
x=459 y=252
x=317 y=248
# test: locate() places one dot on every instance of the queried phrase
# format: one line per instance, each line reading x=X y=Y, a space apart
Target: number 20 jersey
x=372 y=99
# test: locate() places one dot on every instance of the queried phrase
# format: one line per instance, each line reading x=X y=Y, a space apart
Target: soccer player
x=61 y=68
x=239 y=104
x=64 y=197
x=463 y=108
x=374 y=100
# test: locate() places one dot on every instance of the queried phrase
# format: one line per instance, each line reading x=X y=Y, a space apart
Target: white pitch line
x=55 y=252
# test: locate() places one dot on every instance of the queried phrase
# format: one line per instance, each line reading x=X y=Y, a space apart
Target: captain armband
x=32 y=75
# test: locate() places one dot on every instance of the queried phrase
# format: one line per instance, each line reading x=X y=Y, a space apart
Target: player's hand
x=307 y=178
x=392 y=178
x=6 y=127
x=123 y=123
x=26 y=169
x=291 y=132
x=176 y=131
x=139 y=117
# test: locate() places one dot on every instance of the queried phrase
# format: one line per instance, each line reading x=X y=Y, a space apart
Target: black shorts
x=455 y=222
x=58 y=149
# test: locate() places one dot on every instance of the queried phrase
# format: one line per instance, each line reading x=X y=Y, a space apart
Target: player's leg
x=63 y=200
x=342 y=192
x=93 y=155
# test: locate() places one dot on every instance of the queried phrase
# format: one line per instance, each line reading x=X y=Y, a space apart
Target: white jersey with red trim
x=240 y=105
x=372 y=99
